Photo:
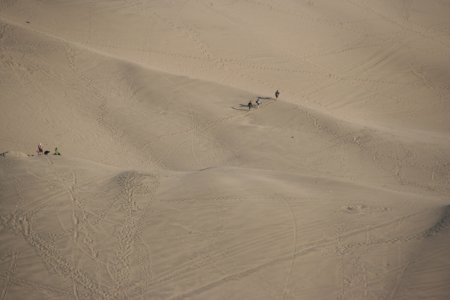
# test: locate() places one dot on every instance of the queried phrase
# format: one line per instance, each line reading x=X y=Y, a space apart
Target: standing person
x=258 y=102
x=40 y=149
x=56 y=151
x=250 y=105
x=277 y=93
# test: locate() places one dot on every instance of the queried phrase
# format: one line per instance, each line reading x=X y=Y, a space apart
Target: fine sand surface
x=169 y=188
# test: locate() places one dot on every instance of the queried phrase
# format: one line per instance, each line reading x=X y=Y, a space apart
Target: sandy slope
x=211 y=234
x=169 y=188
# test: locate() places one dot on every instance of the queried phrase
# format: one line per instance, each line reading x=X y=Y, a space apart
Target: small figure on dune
x=277 y=93
x=56 y=151
x=250 y=105
x=40 y=149
x=258 y=102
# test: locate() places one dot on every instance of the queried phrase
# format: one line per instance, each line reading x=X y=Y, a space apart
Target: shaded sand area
x=168 y=187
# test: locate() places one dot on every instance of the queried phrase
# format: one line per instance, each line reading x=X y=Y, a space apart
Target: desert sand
x=168 y=187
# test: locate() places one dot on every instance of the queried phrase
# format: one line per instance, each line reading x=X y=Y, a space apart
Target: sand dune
x=252 y=233
x=169 y=188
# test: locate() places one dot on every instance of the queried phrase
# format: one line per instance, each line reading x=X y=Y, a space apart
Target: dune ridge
x=168 y=187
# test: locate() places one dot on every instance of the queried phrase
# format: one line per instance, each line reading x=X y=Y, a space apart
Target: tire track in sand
x=79 y=227
x=294 y=248
x=9 y=275
x=55 y=261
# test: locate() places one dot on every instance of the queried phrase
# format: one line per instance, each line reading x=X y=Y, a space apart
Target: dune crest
x=171 y=186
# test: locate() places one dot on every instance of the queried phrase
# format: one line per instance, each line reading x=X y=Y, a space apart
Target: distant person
x=56 y=152
x=277 y=93
x=250 y=105
x=258 y=102
x=40 y=149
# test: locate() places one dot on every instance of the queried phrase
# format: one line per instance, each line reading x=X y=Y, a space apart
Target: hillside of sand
x=168 y=187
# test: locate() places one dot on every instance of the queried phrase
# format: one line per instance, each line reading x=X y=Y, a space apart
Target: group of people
x=258 y=101
x=40 y=150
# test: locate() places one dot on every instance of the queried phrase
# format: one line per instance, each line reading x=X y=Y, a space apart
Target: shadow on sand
x=244 y=107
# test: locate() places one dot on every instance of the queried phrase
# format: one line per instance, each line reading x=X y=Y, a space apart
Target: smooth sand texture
x=169 y=188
